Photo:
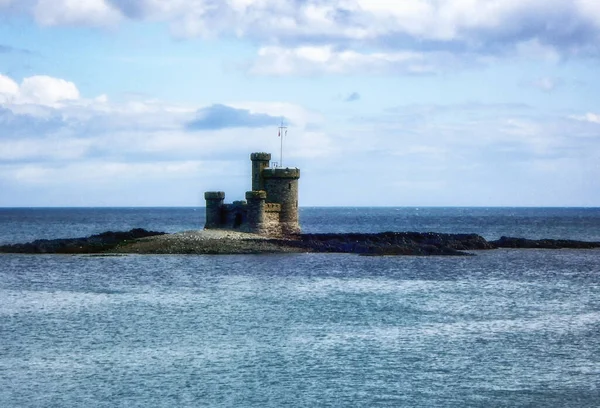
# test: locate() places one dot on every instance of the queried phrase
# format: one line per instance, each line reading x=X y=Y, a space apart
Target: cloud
x=354 y=96
x=588 y=117
x=310 y=60
x=568 y=24
x=91 y=151
x=222 y=117
x=45 y=90
x=414 y=36
x=45 y=120
x=38 y=89
x=479 y=133
x=545 y=84
x=102 y=171
x=74 y=12
x=9 y=89
x=16 y=124
x=134 y=9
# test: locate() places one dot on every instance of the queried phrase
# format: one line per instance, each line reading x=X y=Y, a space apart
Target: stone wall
x=235 y=215
x=272 y=225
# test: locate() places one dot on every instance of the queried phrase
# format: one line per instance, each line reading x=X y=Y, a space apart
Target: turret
x=281 y=186
x=214 y=209
x=256 y=211
x=260 y=161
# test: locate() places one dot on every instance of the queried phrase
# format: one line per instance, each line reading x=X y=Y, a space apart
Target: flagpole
x=281 y=134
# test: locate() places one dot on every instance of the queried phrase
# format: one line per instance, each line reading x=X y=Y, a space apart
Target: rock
x=391 y=243
x=93 y=244
x=229 y=242
x=512 y=242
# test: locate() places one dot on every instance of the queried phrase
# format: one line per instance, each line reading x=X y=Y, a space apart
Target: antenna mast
x=282 y=132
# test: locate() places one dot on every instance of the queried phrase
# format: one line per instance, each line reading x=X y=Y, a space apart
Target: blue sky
x=405 y=103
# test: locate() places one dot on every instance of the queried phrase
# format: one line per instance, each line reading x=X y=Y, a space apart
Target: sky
x=387 y=103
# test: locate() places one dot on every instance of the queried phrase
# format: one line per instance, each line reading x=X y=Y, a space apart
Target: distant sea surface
x=505 y=328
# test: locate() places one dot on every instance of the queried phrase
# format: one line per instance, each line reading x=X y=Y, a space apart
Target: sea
x=503 y=328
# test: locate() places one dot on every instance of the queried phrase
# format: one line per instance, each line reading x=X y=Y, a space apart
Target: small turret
x=256 y=211
x=260 y=161
x=214 y=208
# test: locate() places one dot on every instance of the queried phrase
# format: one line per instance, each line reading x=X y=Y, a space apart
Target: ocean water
x=506 y=328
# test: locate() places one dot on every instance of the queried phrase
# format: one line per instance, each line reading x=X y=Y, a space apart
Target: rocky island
x=140 y=241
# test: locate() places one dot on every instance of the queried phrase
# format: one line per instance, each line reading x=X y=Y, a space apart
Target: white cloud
x=9 y=89
x=590 y=10
x=477 y=133
x=46 y=120
x=45 y=90
x=299 y=116
x=588 y=117
x=355 y=36
x=564 y=24
x=102 y=171
x=79 y=12
x=567 y=27
x=37 y=90
x=308 y=60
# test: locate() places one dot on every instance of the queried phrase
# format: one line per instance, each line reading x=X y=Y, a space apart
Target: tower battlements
x=214 y=195
x=293 y=173
x=256 y=195
x=260 y=156
x=271 y=207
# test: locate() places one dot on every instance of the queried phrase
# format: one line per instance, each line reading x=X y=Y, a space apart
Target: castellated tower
x=271 y=208
x=282 y=188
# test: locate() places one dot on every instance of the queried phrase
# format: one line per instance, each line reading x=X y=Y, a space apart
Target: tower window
x=289 y=186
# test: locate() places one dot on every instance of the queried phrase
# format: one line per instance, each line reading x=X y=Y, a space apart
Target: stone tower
x=271 y=207
x=281 y=186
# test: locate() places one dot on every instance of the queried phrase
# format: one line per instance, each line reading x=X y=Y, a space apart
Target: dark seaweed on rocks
x=511 y=242
x=392 y=243
x=93 y=244
x=385 y=243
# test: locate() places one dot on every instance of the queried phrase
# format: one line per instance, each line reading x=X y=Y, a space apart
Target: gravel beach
x=205 y=242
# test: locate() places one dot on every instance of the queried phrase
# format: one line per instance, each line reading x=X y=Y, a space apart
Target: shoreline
x=227 y=242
